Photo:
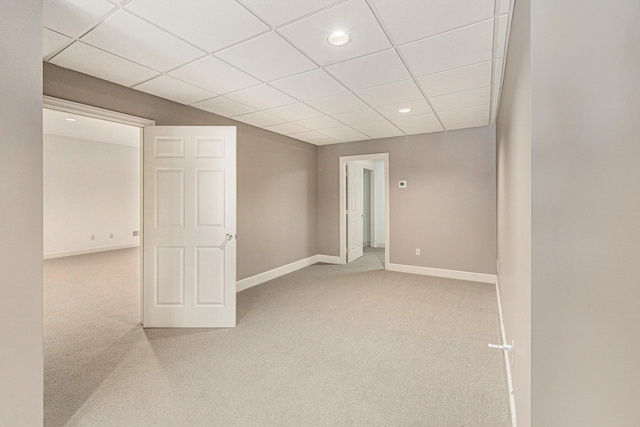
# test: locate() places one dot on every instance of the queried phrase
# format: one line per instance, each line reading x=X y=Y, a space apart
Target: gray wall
x=277 y=175
x=21 y=381
x=513 y=137
x=585 y=213
x=448 y=209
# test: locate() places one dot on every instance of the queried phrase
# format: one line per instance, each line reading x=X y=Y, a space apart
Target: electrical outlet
x=136 y=233
x=417 y=251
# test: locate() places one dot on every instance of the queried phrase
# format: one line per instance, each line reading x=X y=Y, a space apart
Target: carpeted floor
x=328 y=345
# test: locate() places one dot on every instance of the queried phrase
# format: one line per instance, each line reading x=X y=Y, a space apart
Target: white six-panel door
x=355 y=208
x=189 y=245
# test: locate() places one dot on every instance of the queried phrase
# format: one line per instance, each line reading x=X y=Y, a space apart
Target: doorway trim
x=72 y=107
x=343 y=202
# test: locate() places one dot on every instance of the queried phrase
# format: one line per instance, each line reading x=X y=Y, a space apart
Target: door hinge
x=347 y=250
x=346 y=211
x=347 y=173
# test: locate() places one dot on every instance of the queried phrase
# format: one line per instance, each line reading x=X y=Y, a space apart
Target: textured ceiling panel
x=412 y=20
x=267 y=58
x=132 y=38
x=89 y=60
x=353 y=17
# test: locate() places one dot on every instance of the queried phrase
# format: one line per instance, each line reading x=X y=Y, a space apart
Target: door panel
x=355 y=217
x=189 y=249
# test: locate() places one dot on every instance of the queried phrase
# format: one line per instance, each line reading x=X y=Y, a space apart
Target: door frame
x=343 y=202
x=72 y=107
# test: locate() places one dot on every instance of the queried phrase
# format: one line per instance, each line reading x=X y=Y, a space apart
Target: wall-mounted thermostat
x=402 y=184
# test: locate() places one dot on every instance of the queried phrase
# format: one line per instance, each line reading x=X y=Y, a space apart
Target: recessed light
x=70 y=119
x=339 y=38
x=404 y=110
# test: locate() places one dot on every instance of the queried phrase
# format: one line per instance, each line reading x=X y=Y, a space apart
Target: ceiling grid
x=269 y=63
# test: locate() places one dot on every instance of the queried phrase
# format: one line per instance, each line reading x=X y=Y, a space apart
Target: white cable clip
x=505 y=347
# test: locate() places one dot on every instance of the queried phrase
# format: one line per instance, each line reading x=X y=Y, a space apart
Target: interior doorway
x=92 y=181
x=364 y=210
x=92 y=235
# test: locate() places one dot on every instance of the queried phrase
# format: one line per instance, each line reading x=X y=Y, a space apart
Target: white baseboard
x=249 y=282
x=439 y=272
x=507 y=362
x=329 y=259
x=90 y=251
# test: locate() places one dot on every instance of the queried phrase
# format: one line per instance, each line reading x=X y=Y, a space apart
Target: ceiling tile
x=415 y=121
x=287 y=128
x=502 y=35
x=223 y=106
x=318 y=123
x=467 y=124
x=458 y=48
x=372 y=70
x=385 y=134
x=342 y=132
x=295 y=112
x=458 y=80
x=505 y=5
x=130 y=37
x=311 y=85
x=325 y=141
x=268 y=57
x=278 y=12
x=259 y=118
x=261 y=97
x=376 y=129
x=423 y=123
x=426 y=128
x=176 y=90
x=52 y=41
x=497 y=72
x=451 y=117
x=338 y=103
x=71 y=17
x=393 y=93
x=417 y=19
x=470 y=98
x=95 y=62
x=354 y=17
x=419 y=106
x=359 y=116
x=353 y=137
x=212 y=74
x=210 y=25
x=307 y=136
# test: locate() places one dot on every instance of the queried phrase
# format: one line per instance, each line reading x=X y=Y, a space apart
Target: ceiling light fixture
x=339 y=38
x=404 y=110
x=70 y=119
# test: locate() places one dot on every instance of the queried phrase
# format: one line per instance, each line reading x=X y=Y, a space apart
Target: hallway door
x=189 y=203
x=355 y=209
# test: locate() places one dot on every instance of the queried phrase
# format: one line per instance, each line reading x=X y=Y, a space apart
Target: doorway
x=372 y=205
x=92 y=236
x=79 y=129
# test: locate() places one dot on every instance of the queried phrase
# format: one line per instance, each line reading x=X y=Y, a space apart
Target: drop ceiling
x=268 y=62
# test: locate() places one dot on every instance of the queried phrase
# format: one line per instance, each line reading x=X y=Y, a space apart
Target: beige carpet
x=325 y=346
